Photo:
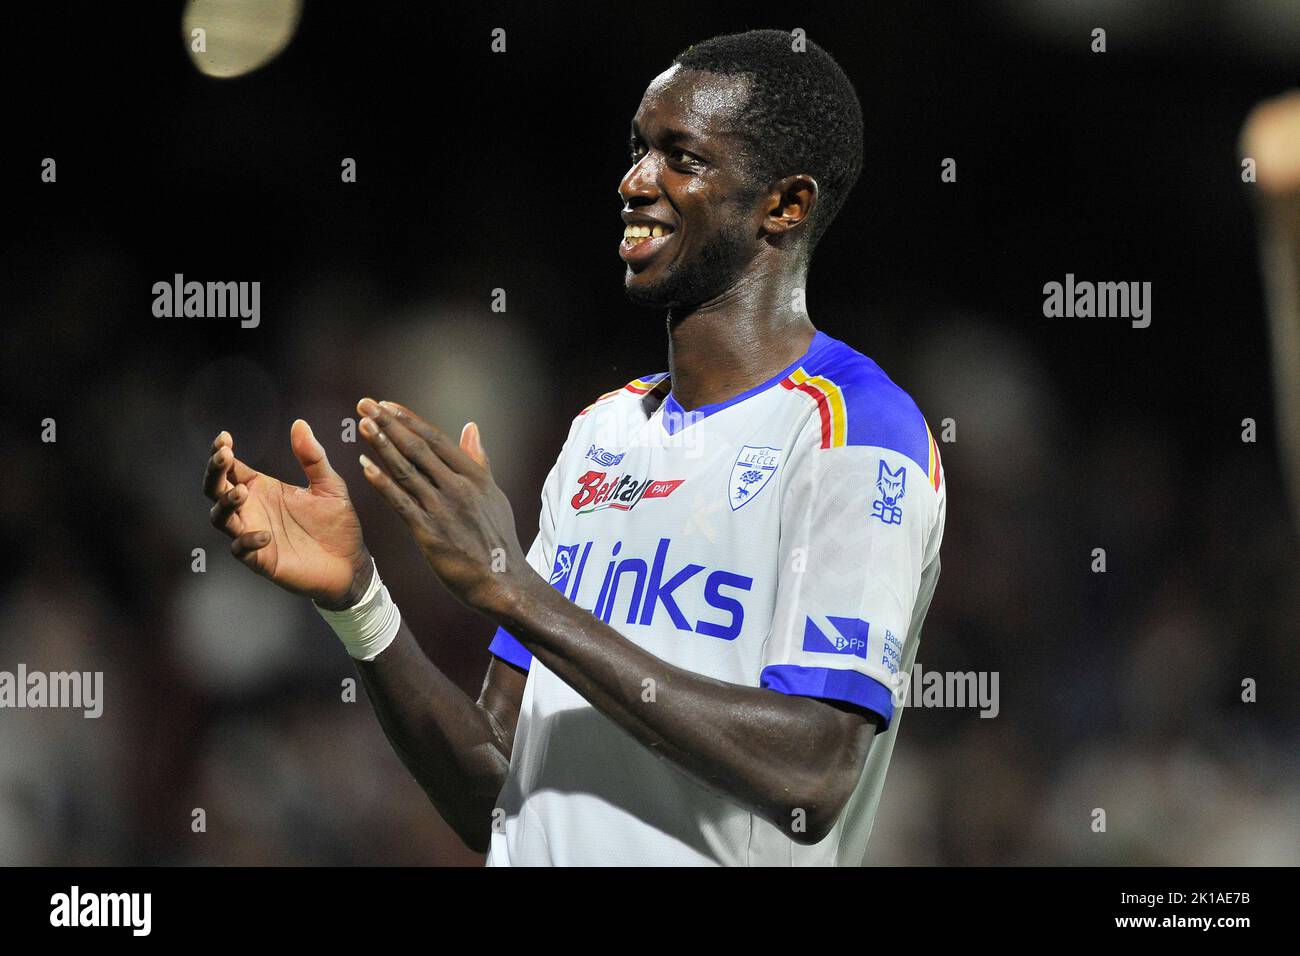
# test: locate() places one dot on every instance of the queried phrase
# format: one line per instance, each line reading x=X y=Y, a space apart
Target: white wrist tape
x=368 y=626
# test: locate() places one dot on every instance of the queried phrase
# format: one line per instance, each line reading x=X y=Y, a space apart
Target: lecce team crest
x=754 y=468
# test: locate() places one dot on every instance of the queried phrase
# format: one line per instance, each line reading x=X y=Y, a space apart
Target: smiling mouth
x=642 y=242
x=635 y=234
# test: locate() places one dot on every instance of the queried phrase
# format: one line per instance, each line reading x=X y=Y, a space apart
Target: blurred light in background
x=1007 y=401
x=239 y=35
x=234 y=634
x=453 y=364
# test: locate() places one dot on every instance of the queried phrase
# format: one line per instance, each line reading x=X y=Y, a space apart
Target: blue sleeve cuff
x=508 y=649
x=827 y=683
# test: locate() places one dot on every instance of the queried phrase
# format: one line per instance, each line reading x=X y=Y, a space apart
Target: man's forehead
x=695 y=101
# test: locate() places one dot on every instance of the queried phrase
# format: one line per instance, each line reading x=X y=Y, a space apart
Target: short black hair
x=803 y=113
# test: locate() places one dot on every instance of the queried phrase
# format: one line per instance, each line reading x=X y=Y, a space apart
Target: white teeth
x=636 y=233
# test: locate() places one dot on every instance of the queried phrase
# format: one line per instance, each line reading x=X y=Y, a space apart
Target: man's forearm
x=450 y=744
x=792 y=760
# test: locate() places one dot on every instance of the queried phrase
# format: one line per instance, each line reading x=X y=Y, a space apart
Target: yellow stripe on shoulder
x=935 y=470
x=638 y=386
x=830 y=405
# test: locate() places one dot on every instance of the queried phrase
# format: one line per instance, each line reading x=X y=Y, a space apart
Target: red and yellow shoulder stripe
x=884 y=417
x=936 y=468
x=638 y=386
x=830 y=404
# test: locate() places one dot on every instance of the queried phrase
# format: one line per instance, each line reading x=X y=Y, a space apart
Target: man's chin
x=646 y=292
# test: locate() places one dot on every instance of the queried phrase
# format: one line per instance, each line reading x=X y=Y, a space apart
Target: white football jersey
x=786 y=539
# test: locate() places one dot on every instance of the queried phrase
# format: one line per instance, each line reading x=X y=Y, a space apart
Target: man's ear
x=790 y=203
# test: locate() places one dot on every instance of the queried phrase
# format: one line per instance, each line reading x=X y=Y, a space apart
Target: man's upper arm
x=501 y=698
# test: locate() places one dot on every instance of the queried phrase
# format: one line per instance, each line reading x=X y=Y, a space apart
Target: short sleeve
x=856 y=533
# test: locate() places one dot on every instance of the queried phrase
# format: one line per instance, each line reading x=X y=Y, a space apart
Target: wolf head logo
x=892 y=485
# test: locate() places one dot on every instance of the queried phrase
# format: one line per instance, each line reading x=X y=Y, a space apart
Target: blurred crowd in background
x=1119 y=690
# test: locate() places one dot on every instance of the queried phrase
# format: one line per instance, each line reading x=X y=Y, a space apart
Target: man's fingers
x=224 y=515
x=416 y=448
x=388 y=489
x=246 y=544
x=240 y=474
x=441 y=444
x=413 y=421
x=215 y=480
x=400 y=469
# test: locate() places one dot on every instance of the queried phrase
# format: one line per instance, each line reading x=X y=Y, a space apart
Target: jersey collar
x=675 y=418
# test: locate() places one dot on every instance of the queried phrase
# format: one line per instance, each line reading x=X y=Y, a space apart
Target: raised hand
x=307 y=540
x=444 y=492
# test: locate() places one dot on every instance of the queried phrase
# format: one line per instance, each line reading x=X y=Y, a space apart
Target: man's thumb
x=315 y=465
x=471 y=443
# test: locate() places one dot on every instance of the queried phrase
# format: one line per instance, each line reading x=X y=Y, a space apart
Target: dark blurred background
x=478 y=171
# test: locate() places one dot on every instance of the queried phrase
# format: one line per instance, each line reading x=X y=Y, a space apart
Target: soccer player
x=696 y=661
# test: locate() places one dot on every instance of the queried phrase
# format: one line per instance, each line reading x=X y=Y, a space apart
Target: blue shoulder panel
x=877 y=412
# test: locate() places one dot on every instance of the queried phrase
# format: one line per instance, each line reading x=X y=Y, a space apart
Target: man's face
x=690 y=182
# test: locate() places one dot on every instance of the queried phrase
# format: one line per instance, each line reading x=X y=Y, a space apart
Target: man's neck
x=739 y=340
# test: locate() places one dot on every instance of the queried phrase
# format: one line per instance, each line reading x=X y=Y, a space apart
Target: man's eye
x=678 y=157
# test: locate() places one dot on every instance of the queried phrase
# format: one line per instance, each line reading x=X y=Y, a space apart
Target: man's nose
x=640 y=182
